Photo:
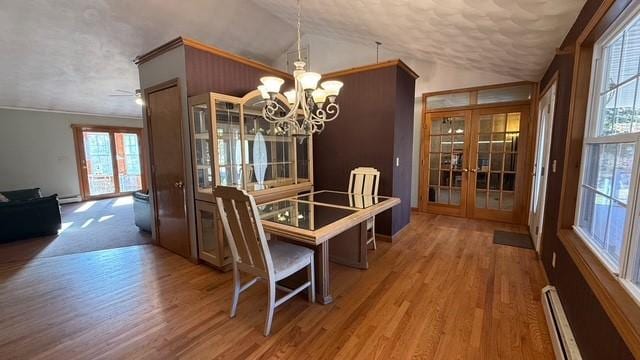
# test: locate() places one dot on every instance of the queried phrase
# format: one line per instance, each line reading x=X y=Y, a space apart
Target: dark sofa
x=28 y=214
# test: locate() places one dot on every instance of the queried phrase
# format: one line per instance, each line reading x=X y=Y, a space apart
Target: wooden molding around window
x=618 y=303
x=473 y=97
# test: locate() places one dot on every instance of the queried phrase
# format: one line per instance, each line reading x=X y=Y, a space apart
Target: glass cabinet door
x=229 y=145
x=202 y=151
x=303 y=159
x=212 y=246
x=269 y=150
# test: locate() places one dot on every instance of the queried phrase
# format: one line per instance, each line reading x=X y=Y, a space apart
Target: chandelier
x=310 y=106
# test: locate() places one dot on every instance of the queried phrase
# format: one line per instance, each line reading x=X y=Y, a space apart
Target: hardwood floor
x=442 y=290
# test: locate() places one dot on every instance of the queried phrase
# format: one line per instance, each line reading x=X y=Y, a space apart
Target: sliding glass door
x=109 y=161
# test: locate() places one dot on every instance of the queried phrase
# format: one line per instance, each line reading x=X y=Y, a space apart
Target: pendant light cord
x=299 y=15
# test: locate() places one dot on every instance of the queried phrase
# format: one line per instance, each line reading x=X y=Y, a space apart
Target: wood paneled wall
x=208 y=72
x=594 y=332
x=374 y=127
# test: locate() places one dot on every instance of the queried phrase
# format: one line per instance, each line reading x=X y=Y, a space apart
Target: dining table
x=332 y=223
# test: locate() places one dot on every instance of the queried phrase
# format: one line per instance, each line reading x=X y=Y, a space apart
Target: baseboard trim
x=392 y=238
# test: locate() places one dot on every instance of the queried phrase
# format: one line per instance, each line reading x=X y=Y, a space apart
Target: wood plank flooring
x=441 y=291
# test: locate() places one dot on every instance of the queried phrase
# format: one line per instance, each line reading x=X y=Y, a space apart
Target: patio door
x=109 y=161
x=473 y=163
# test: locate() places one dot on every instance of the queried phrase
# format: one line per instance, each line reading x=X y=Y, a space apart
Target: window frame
x=629 y=261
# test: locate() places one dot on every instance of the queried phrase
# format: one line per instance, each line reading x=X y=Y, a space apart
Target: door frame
x=83 y=178
x=551 y=86
x=425 y=143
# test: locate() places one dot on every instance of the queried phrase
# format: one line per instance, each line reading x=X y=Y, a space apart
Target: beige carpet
x=86 y=226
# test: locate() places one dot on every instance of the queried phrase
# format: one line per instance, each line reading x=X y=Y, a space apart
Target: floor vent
x=564 y=345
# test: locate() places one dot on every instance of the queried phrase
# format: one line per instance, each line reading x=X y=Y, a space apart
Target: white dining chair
x=365 y=181
x=252 y=254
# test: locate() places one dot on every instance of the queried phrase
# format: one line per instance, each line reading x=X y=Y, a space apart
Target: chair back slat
x=243 y=253
x=251 y=236
x=242 y=224
x=364 y=180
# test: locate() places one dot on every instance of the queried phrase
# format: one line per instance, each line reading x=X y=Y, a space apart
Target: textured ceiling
x=509 y=37
x=71 y=54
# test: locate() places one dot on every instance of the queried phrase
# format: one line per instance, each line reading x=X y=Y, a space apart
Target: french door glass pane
x=446 y=160
x=496 y=160
x=99 y=163
x=128 y=161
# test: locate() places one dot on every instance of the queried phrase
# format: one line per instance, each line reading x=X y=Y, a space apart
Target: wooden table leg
x=321 y=256
x=323 y=286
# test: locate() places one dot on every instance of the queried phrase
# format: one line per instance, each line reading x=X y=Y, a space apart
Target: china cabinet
x=233 y=145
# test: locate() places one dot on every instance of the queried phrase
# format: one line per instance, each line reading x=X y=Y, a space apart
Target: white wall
x=326 y=55
x=37 y=149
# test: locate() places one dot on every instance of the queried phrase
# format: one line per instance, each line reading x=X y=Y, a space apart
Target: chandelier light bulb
x=291 y=96
x=309 y=80
x=272 y=84
x=332 y=87
x=263 y=92
x=319 y=96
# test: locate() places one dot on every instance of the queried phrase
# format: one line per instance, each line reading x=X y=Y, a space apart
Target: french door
x=474 y=163
x=109 y=161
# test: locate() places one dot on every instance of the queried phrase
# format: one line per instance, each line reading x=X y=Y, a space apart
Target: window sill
x=618 y=303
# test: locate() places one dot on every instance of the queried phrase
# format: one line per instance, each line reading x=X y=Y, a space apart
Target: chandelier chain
x=299 y=15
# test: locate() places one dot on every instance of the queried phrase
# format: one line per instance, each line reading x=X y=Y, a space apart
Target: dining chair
x=252 y=254
x=365 y=181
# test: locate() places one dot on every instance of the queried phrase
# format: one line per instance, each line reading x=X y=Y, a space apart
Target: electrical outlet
x=553 y=260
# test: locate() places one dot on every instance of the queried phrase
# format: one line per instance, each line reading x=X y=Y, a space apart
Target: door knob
x=179 y=184
x=465 y=170
x=473 y=170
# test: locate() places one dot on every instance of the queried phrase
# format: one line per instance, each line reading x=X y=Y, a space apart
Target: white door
x=540 y=171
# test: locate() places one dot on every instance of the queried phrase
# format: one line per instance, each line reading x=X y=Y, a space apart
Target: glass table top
x=341 y=199
x=302 y=215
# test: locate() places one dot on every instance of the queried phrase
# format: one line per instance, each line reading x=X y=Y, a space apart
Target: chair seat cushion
x=288 y=258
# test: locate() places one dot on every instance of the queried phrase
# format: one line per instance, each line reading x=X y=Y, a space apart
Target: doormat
x=512 y=239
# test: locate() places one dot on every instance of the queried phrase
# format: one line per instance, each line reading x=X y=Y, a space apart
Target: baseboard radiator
x=564 y=344
x=69 y=199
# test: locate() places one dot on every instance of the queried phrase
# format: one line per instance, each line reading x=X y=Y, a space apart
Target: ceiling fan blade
x=121 y=95
x=124 y=91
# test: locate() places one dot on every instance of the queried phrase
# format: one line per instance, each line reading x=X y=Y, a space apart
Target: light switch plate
x=397 y=162
x=553 y=260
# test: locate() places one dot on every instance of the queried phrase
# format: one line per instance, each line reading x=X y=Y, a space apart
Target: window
x=607 y=208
